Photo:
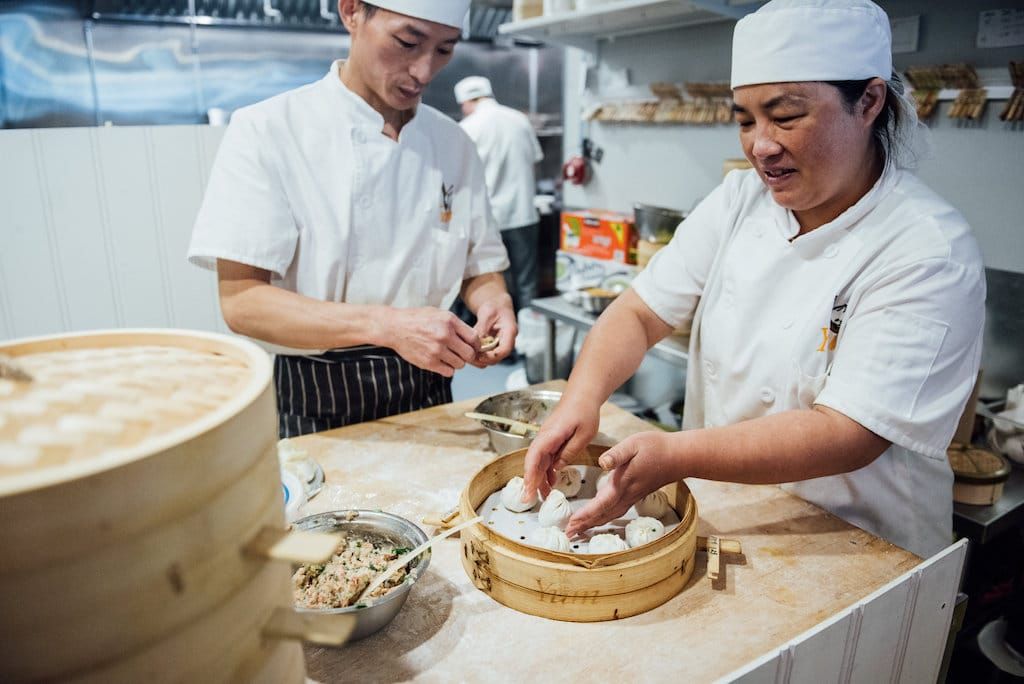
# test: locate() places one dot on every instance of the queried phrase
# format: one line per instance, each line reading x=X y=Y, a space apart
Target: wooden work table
x=800 y=566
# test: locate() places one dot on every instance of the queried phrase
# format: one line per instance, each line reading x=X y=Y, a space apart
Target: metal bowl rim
x=400 y=591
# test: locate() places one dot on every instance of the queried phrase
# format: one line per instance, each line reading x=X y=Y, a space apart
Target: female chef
x=834 y=302
x=344 y=217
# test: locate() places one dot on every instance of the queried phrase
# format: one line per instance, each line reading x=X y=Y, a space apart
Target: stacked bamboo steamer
x=135 y=466
x=571 y=587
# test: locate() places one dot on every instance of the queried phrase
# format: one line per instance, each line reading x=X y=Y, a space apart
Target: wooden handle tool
x=10 y=370
x=406 y=558
x=516 y=427
x=317 y=628
x=296 y=546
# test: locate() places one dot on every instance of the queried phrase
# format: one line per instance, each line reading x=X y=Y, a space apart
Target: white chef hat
x=812 y=40
x=449 y=12
x=472 y=87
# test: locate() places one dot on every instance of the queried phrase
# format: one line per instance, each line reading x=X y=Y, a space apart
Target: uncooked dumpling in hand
x=607 y=543
x=569 y=481
x=643 y=530
x=512 y=496
x=550 y=538
x=654 y=505
x=555 y=511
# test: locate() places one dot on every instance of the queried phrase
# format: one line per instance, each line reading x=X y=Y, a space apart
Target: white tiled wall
x=94 y=225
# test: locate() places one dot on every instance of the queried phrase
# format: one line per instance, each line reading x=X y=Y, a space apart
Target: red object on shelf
x=576 y=170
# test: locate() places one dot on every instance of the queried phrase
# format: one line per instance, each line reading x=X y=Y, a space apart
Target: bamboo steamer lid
x=575 y=587
x=134 y=467
x=979 y=474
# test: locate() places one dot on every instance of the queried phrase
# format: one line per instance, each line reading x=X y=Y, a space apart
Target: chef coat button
x=767 y=396
x=359 y=136
x=365 y=201
x=831 y=251
x=787 y=325
x=709 y=368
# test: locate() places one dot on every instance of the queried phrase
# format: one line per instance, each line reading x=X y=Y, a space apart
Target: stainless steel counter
x=672 y=349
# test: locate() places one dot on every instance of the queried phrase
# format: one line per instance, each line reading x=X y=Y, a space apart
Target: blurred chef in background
x=510 y=150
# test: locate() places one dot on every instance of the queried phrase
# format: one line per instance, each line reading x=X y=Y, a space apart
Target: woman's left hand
x=639 y=464
x=496 y=318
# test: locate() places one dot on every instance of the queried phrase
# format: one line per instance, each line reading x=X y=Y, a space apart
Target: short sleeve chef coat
x=306 y=186
x=878 y=315
x=509 y=149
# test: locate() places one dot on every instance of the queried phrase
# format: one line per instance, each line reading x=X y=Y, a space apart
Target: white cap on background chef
x=344 y=218
x=473 y=88
x=835 y=304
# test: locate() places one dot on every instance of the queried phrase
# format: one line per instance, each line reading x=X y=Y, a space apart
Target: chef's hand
x=495 y=318
x=432 y=339
x=639 y=464
x=565 y=433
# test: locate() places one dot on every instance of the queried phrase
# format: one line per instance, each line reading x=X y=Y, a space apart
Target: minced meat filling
x=335 y=584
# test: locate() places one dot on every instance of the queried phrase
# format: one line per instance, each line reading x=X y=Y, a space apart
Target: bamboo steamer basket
x=136 y=469
x=978 y=474
x=574 y=587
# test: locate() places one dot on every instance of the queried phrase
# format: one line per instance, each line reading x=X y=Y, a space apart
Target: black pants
x=317 y=393
x=522 y=245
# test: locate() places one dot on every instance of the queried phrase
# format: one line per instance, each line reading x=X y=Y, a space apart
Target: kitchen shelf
x=583 y=28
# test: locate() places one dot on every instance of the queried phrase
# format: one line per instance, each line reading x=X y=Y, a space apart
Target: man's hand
x=639 y=464
x=432 y=339
x=496 y=318
x=565 y=433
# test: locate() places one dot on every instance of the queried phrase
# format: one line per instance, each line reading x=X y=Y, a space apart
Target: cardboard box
x=599 y=234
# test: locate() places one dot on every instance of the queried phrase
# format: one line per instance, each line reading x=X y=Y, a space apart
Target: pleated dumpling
x=643 y=530
x=607 y=543
x=550 y=538
x=654 y=505
x=512 y=496
x=555 y=511
x=570 y=481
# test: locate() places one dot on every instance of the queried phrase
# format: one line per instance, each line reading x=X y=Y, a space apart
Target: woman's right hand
x=565 y=433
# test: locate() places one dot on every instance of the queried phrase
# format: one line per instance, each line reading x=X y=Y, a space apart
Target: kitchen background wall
x=977 y=166
x=98 y=203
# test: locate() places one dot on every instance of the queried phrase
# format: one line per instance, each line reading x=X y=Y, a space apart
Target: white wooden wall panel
x=83 y=257
x=30 y=286
x=180 y=184
x=95 y=227
x=128 y=190
x=897 y=634
x=881 y=627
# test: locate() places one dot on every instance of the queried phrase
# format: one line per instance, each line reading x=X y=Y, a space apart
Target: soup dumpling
x=643 y=530
x=555 y=511
x=607 y=543
x=512 y=496
x=550 y=538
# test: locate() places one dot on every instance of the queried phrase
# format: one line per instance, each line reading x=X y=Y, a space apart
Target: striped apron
x=346 y=386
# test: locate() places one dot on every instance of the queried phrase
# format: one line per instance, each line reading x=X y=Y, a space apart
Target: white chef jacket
x=509 y=149
x=899 y=274
x=306 y=186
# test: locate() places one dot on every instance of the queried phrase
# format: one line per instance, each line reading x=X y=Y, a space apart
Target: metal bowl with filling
x=386 y=530
x=527 y=406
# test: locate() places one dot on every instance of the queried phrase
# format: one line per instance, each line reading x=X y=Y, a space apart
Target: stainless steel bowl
x=528 y=406
x=397 y=530
x=656 y=224
x=595 y=300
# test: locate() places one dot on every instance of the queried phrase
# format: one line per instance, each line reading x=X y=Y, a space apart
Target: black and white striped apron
x=347 y=386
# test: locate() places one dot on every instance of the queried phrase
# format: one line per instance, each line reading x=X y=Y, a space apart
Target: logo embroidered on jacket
x=446 y=202
x=830 y=335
